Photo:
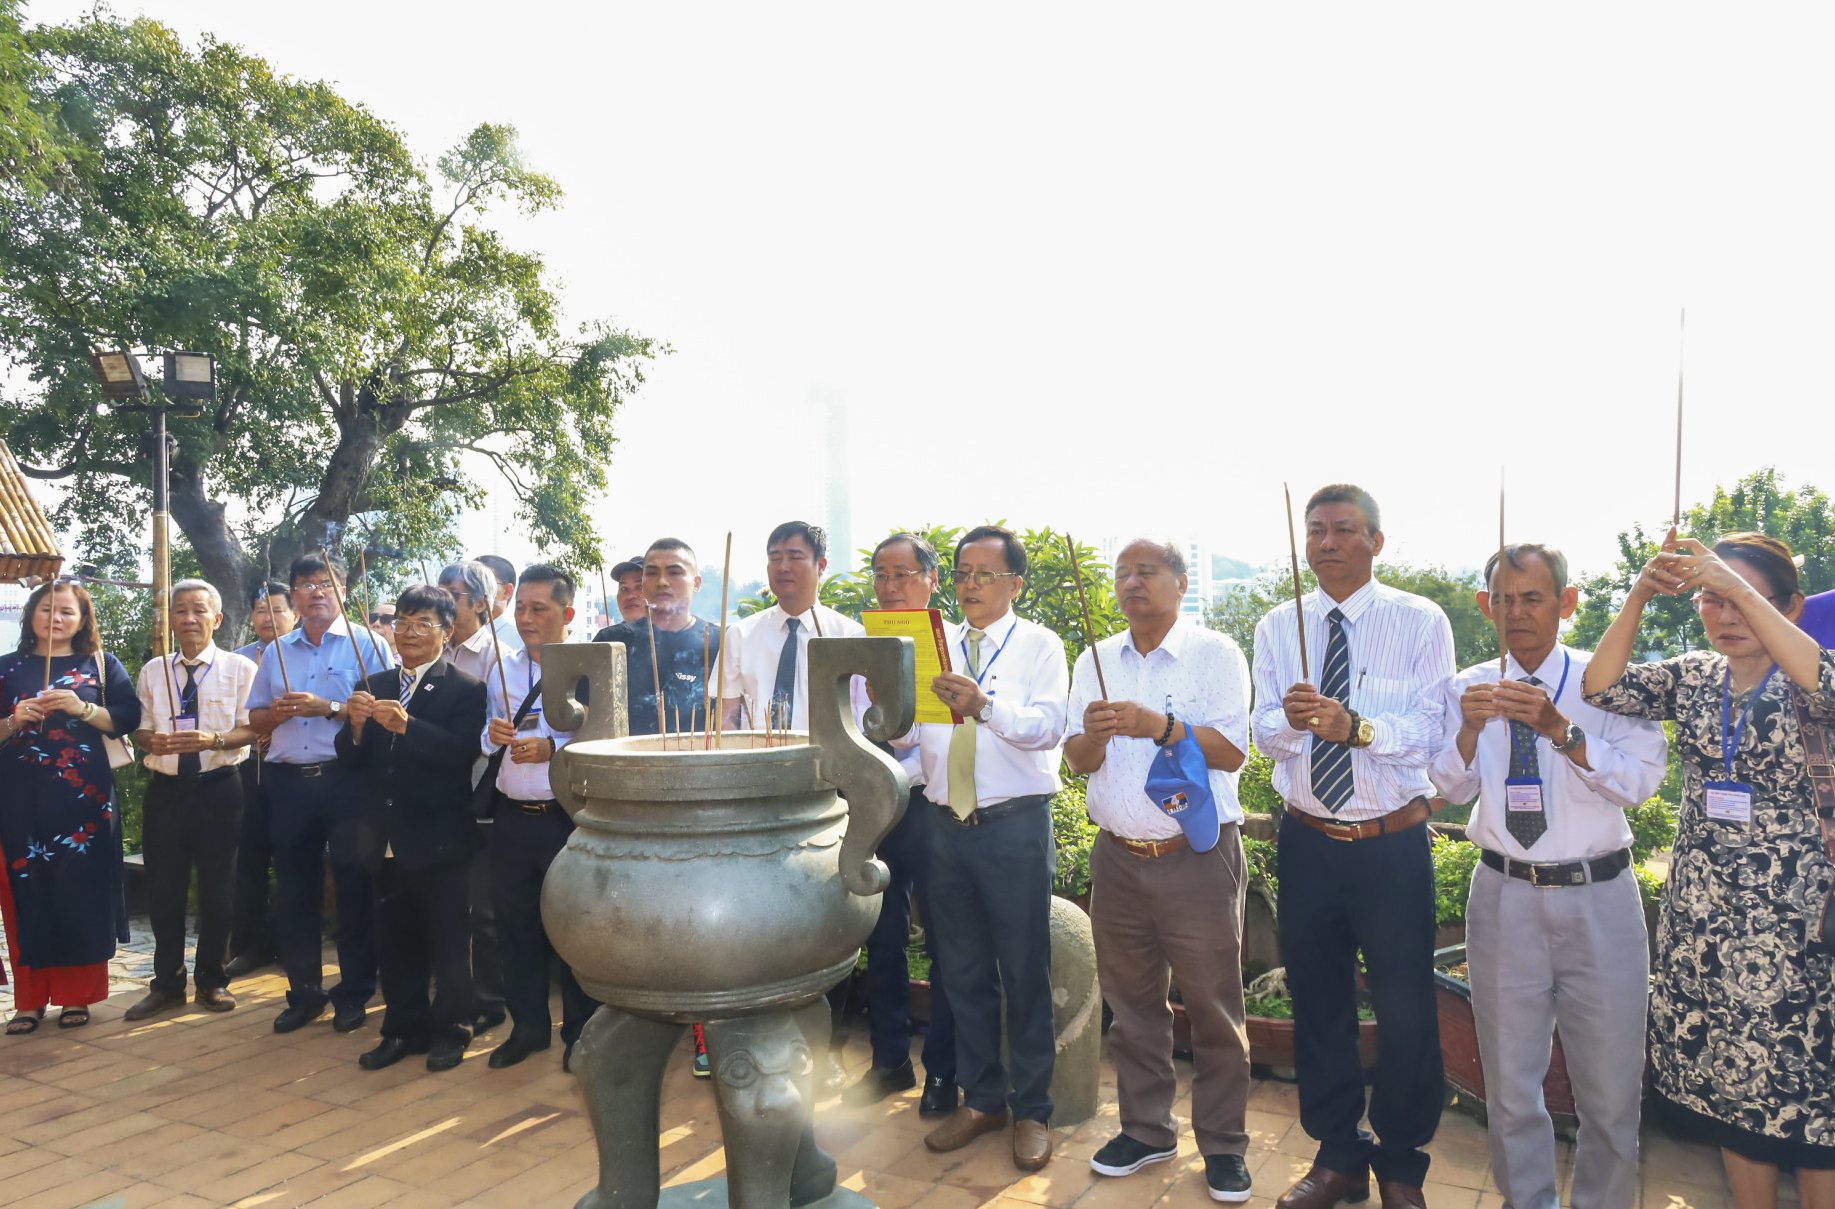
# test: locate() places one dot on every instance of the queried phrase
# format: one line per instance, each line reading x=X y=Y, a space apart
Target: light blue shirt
x=328 y=669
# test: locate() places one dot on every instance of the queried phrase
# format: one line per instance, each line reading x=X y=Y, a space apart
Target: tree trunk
x=204 y=523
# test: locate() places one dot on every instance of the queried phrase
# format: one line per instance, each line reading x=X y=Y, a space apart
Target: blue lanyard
x=197 y=688
x=1729 y=749
x=1567 y=663
x=997 y=650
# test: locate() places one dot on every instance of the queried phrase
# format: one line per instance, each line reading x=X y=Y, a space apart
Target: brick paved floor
x=194 y=1110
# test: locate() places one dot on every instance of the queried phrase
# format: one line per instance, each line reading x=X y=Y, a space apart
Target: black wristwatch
x=337 y=707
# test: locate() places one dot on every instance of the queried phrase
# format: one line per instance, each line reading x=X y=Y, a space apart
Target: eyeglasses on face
x=415 y=629
x=316 y=587
x=981 y=579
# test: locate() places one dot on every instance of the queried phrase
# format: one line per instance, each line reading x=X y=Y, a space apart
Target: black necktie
x=190 y=763
x=1333 y=783
x=783 y=694
x=1525 y=826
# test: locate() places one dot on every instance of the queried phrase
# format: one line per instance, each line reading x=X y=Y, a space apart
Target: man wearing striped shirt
x=1352 y=730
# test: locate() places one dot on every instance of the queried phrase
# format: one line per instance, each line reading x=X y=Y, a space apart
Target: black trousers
x=1377 y=896
x=252 y=930
x=423 y=930
x=312 y=817
x=906 y=852
x=191 y=822
x=990 y=897
x=522 y=848
x=486 y=957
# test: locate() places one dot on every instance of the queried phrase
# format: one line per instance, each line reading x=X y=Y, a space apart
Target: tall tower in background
x=840 y=504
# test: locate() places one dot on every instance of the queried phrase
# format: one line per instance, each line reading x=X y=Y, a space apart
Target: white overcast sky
x=1128 y=267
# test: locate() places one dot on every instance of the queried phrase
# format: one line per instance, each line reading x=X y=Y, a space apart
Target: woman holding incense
x=60 y=831
x=1742 y=1016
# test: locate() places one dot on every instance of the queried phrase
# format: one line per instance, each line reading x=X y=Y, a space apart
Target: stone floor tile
x=1663 y=1192
x=24 y=1186
x=1058 y=1185
x=945 y=1196
x=886 y=1191
x=249 y=1181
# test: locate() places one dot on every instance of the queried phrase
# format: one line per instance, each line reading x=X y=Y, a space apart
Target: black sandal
x=24 y=1022
x=73 y=1017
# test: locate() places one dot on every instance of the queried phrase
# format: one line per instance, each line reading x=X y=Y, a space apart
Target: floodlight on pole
x=119 y=373
x=191 y=376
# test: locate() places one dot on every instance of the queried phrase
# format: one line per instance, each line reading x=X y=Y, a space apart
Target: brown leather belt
x=1411 y=815
x=1151 y=848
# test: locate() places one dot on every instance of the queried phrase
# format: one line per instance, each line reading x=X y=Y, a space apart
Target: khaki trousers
x=1177 y=915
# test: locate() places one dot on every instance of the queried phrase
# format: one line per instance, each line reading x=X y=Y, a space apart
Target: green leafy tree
x=1802 y=518
x=375 y=341
x=34 y=149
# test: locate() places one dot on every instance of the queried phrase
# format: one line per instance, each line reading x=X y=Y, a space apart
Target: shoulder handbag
x=120 y=755
x=484 y=793
x=1822 y=789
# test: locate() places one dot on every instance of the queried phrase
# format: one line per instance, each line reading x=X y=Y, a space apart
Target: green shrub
x=1255 y=788
x=1653 y=829
x=1264 y=858
x=1649 y=884
x=1076 y=838
x=1454 y=861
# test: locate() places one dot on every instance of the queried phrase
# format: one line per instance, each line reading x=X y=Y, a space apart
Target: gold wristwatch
x=1363 y=731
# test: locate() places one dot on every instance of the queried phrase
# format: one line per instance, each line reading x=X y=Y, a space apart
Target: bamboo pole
x=1076 y=569
x=1299 y=611
x=726 y=583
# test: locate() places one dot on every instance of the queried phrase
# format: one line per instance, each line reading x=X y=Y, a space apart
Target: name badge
x=185 y=722
x=1729 y=802
x=1523 y=793
x=530 y=721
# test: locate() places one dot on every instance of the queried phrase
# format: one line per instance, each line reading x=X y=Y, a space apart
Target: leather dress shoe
x=391 y=1051
x=964 y=1126
x=214 y=999
x=567 y=1058
x=244 y=964
x=154 y=1003
x=445 y=1054
x=516 y=1048
x=484 y=1022
x=350 y=1019
x=880 y=1082
x=1401 y=1196
x=1031 y=1145
x=831 y=1076
x=298 y=1016
x=939 y=1099
x=1321 y=1188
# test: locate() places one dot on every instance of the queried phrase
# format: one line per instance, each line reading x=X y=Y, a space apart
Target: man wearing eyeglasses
x=905 y=577
x=411 y=736
x=992 y=856
x=298 y=699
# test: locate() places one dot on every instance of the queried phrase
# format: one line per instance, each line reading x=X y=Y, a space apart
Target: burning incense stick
x=1299 y=611
x=726 y=581
x=1497 y=598
x=1076 y=569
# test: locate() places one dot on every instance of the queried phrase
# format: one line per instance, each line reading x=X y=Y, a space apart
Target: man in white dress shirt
x=1161 y=907
x=1554 y=925
x=992 y=854
x=503 y=613
x=766 y=674
x=530 y=828
x=1352 y=734
x=471 y=648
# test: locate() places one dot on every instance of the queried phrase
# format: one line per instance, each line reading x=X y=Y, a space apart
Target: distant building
x=839 y=503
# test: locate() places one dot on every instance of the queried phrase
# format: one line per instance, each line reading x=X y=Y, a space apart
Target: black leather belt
x=303 y=770
x=203 y=778
x=1555 y=876
x=996 y=812
x=536 y=807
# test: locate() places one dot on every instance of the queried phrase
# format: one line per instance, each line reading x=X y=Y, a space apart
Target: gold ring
x=1314 y=723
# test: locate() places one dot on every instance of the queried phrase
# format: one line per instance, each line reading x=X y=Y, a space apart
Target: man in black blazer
x=412 y=735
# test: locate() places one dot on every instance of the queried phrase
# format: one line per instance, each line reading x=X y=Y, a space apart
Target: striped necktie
x=407 y=686
x=1333 y=783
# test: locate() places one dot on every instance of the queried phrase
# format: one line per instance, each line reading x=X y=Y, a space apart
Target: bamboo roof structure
x=28 y=547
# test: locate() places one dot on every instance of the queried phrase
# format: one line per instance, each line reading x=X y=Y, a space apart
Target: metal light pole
x=190 y=379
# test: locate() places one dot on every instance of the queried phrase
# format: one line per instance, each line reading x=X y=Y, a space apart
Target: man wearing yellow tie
x=992 y=856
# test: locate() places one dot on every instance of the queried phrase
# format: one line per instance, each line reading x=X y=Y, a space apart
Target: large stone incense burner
x=730 y=887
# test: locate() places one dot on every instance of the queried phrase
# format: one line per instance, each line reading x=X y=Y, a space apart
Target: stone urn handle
x=602 y=666
x=874 y=785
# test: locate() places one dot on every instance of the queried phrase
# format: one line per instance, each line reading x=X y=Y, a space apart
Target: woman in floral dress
x=1742 y=1018
x=60 y=833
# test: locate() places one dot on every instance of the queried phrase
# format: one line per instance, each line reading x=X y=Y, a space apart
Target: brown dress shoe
x=1321 y=1188
x=964 y=1126
x=154 y=1003
x=1400 y=1196
x=215 y=999
x=1031 y=1145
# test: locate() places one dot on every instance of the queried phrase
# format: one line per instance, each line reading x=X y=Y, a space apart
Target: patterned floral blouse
x=1742 y=1014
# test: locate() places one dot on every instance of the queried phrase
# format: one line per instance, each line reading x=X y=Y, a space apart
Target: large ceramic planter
x=1271 y=1040
x=1465 y=1073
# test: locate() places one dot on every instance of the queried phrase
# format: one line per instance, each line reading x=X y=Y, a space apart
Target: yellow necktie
x=962 y=744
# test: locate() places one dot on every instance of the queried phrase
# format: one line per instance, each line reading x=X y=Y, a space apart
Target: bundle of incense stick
x=726 y=582
x=280 y=657
x=337 y=596
x=707 y=689
x=656 y=678
x=1088 y=636
x=1299 y=611
x=1497 y=598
